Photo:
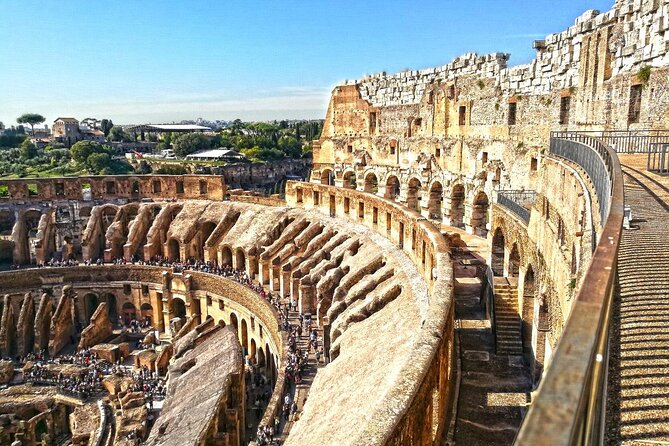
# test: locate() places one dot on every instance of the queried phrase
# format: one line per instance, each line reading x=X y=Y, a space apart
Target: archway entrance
x=240 y=260
x=371 y=183
x=327 y=177
x=480 y=214
x=514 y=261
x=497 y=253
x=234 y=322
x=147 y=314
x=349 y=180
x=413 y=194
x=226 y=256
x=245 y=337
x=458 y=206
x=435 y=200
x=112 y=311
x=129 y=313
x=91 y=303
x=392 y=187
x=179 y=308
x=173 y=250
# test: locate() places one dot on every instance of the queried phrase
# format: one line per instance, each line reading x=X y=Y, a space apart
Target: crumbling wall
x=61 y=331
x=98 y=330
x=25 y=329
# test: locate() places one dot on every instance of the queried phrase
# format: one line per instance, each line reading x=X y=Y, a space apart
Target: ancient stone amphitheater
x=481 y=250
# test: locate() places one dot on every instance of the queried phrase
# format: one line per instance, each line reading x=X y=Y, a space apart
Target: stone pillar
x=307 y=301
x=264 y=277
x=284 y=281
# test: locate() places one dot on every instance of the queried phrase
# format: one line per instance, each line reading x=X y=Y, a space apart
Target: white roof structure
x=169 y=128
x=214 y=154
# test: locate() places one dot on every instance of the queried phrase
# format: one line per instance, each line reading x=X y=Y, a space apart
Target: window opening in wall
x=203 y=187
x=413 y=239
x=484 y=157
x=389 y=221
x=372 y=123
x=418 y=122
x=349 y=148
x=635 y=104
x=4 y=191
x=512 y=113
x=437 y=153
x=401 y=235
x=126 y=288
x=451 y=92
x=375 y=215
x=462 y=113
x=423 y=253
x=60 y=189
x=298 y=193
x=317 y=198
x=110 y=187
x=533 y=164
x=145 y=290
x=156 y=186
x=347 y=205
x=221 y=304
x=32 y=189
x=430 y=98
x=565 y=104
x=209 y=301
x=361 y=210
x=393 y=147
x=180 y=187
x=409 y=127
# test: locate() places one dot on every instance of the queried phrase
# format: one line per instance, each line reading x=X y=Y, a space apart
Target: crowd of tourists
x=83 y=384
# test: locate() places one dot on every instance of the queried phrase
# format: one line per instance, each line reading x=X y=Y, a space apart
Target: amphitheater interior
x=478 y=256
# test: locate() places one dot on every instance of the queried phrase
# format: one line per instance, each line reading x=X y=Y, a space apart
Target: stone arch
x=244 y=336
x=234 y=322
x=527 y=313
x=497 y=253
x=434 y=202
x=350 y=181
x=253 y=352
x=261 y=357
x=240 y=259
x=514 y=261
x=392 y=187
x=371 y=183
x=457 y=211
x=112 y=309
x=179 y=308
x=173 y=250
x=413 y=194
x=226 y=256
x=206 y=230
x=146 y=310
x=479 y=217
x=129 y=312
x=91 y=303
x=543 y=327
x=327 y=177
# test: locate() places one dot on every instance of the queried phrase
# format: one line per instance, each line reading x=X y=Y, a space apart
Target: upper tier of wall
x=636 y=36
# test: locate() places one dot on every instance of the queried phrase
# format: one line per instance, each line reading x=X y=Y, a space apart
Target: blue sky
x=160 y=61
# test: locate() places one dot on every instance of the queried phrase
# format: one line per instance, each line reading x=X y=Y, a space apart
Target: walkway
x=494 y=389
x=638 y=400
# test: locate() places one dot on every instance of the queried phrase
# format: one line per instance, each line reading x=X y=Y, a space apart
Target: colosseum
x=477 y=256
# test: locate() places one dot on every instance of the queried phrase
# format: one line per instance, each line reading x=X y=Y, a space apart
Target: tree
x=80 y=151
x=190 y=143
x=117 y=133
x=31 y=119
x=106 y=125
x=27 y=149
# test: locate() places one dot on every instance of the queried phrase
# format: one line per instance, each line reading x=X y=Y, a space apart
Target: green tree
x=117 y=134
x=290 y=146
x=80 y=151
x=31 y=119
x=99 y=162
x=190 y=143
x=27 y=149
x=106 y=125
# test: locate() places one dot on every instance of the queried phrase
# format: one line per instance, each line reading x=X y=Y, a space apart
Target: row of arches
x=455 y=214
x=128 y=313
x=258 y=355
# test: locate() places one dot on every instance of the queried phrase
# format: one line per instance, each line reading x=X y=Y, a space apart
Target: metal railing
x=570 y=406
x=629 y=141
x=658 y=158
x=593 y=156
x=519 y=202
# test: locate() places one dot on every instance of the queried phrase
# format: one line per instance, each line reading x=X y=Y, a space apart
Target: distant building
x=70 y=130
x=220 y=154
x=91 y=123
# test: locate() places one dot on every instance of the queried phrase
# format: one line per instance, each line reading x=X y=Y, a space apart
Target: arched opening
x=528 y=314
x=514 y=261
x=129 y=313
x=268 y=361
x=543 y=327
x=458 y=206
x=207 y=230
x=41 y=428
x=135 y=187
x=497 y=253
x=240 y=260
x=226 y=256
x=147 y=314
x=413 y=194
x=221 y=323
x=371 y=183
x=179 y=308
x=173 y=250
x=327 y=177
x=261 y=357
x=349 y=180
x=234 y=322
x=435 y=200
x=245 y=337
x=479 y=218
x=91 y=303
x=392 y=187
x=112 y=310
x=254 y=359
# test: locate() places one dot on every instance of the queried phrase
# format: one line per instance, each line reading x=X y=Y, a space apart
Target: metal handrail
x=570 y=406
x=517 y=201
x=629 y=141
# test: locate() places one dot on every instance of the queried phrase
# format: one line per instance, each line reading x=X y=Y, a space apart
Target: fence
x=629 y=141
x=658 y=158
x=518 y=201
x=570 y=406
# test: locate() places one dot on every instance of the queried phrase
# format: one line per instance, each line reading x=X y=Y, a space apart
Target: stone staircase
x=508 y=340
